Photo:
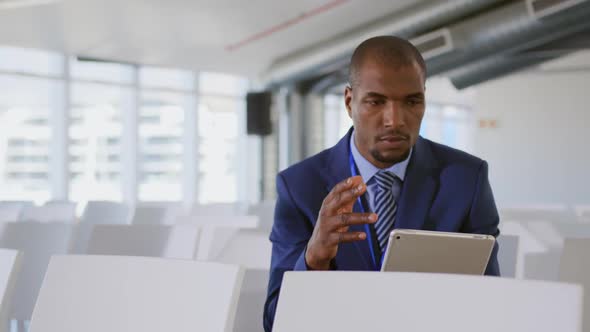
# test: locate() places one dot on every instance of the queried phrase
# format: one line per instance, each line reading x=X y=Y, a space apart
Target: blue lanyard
x=353 y=172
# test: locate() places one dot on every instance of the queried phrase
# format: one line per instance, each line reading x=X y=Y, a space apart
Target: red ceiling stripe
x=284 y=25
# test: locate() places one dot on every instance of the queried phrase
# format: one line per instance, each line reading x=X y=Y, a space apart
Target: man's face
x=386 y=106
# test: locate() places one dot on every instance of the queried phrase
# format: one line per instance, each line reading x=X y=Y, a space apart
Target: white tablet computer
x=437 y=252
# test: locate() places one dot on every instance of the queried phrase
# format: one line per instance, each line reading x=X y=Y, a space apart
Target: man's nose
x=393 y=115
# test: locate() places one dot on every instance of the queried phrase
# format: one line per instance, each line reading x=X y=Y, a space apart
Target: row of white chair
x=10 y=264
x=567 y=260
x=136 y=294
x=94 y=293
x=88 y=293
x=403 y=301
x=168 y=212
x=541 y=237
x=98 y=293
x=365 y=301
x=40 y=241
x=153 y=213
x=132 y=244
x=551 y=212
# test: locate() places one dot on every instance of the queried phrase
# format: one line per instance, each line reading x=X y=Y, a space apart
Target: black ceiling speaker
x=258 y=106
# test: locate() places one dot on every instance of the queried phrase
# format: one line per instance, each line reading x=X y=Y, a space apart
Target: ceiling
x=239 y=37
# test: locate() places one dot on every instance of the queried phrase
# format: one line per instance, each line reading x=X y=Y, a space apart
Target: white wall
x=539 y=153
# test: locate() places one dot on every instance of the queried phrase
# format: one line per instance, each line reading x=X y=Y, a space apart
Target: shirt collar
x=368 y=170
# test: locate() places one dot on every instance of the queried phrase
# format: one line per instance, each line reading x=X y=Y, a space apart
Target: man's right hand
x=335 y=217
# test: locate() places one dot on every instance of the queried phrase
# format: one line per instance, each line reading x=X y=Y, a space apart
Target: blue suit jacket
x=444 y=190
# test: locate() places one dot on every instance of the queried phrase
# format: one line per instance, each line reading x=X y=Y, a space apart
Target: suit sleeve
x=289 y=236
x=483 y=217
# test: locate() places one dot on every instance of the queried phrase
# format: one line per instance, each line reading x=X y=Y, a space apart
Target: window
x=218 y=129
x=221 y=84
x=95 y=134
x=25 y=136
x=101 y=71
x=161 y=120
x=154 y=77
x=22 y=60
x=336 y=121
x=108 y=151
x=221 y=100
x=451 y=125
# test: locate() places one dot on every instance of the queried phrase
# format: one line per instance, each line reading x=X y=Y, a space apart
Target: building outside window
x=111 y=131
x=27 y=100
x=221 y=99
x=161 y=129
x=95 y=137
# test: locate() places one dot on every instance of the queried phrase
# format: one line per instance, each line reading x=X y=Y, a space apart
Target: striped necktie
x=385 y=206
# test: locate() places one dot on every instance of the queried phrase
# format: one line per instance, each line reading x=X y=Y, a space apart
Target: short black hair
x=385 y=49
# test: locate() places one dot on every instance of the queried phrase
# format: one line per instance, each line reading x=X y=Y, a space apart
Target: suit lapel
x=419 y=187
x=336 y=169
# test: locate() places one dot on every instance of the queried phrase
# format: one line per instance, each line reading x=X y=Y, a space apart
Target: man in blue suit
x=335 y=209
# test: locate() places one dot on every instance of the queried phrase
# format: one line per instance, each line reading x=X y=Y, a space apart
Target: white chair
x=38 y=242
x=50 y=212
x=232 y=245
x=106 y=212
x=220 y=221
x=149 y=215
x=369 y=301
x=528 y=243
x=213 y=240
x=218 y=209
x=156 y=213
x=247 y=247
x=136 y=294
x=583 y=212
x=10 y=211
x=251 y=303
x=10 y=263
x=575 y=268
x=66 y=209
x=507 y=255
x=98 y=213
x=265 y=212
x=555 y=212
x=542 y=265
x=145 y=240
x=553 y=234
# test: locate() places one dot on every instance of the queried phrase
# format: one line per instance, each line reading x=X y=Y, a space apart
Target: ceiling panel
x=193 y=34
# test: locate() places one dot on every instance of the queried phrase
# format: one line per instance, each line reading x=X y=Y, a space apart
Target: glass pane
x=218 y=133
x=430 y=127
x=23 y=60
x=161 y=118
x=25 y=137
x=101 y=71
x=95 y=142
x=448 y=124
x=222 y=84
x=166 y=78
x=337 y=122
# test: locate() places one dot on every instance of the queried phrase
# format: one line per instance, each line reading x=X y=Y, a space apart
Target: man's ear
x=348 y=100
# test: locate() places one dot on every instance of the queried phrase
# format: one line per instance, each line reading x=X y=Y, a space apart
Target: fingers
x=347 y=184
x=347 y=237
x=348 y=219
x=343 y=196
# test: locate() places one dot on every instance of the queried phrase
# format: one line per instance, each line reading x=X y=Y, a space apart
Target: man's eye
x=413 y=102
x=374 y=102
